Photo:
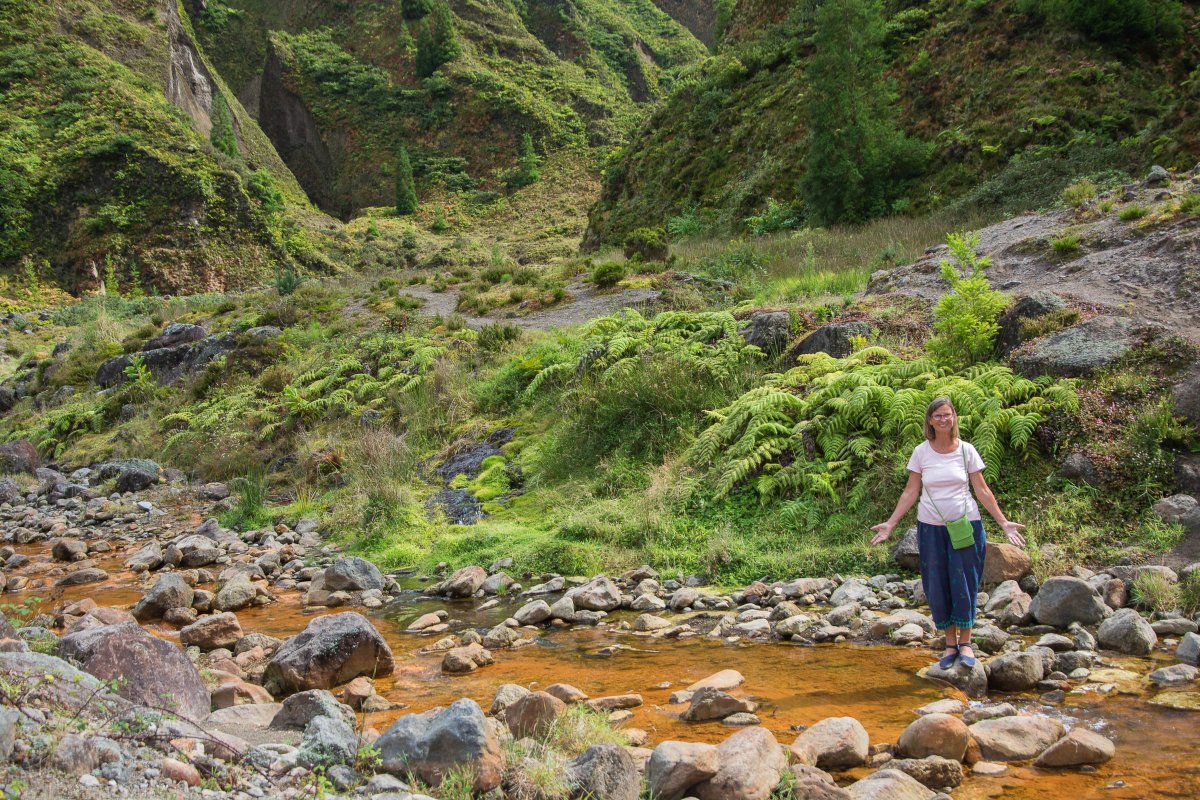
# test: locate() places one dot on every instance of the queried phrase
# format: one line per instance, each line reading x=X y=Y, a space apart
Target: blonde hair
x=937 y=403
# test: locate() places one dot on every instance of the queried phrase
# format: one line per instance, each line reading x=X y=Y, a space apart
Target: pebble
x=90 y=781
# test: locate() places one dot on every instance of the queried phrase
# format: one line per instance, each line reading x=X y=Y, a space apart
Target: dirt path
x=587 y=305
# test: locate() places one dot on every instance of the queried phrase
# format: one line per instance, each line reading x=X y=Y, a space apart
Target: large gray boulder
x=1127 y=632
x=297 y=711
x=431 y=744
x=1189 y=649
x=1078 y=748
x=598 y=594
x=769 y=331
x=675 y=767
x=833 y=339
x=834 y=743
x=327 y=741
x=1065 y=599
x=152 y=671
x=750 y=764
x=169 y=591
x=1084 y=348
x=353 y=574
x=333 y=649
x=1031 y=306
x=1015 y=672
x=1017 y=738
x=604 y=770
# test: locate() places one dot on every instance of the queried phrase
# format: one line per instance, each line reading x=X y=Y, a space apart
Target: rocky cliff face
x=189 y=84
x=103 y=175
x=293 y=130
x=698 y=16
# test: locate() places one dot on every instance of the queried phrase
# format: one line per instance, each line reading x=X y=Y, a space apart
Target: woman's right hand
x=883 y=531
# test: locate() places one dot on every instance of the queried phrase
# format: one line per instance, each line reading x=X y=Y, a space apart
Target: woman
x=945 y=467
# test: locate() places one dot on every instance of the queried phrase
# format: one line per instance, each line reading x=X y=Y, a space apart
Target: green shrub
x=261 y=186
x=1079 y=193
x=648 y=243
x=496 y=335
x=1151 y=591
x=439 y=224
x=1066 y=244
x=741 y=263
x=686 y=225
x=1049 y=323
x=965 y=318
x=777 y=217
x=528 y=168
x=1189 y=593
x=406 y=188
x=607 y=274
x=1133 y=212
x=1190 y=204
x=250 y=510
x=287 y=280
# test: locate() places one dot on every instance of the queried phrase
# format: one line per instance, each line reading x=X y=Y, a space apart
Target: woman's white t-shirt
x=945 y=480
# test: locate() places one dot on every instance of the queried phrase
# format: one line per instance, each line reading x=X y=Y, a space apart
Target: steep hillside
x=340 y=87
x=1014 y=106
x=125 y=160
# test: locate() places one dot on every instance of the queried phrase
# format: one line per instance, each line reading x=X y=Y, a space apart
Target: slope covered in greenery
x=125 y=160
x=341 y=87
x=1013 y=98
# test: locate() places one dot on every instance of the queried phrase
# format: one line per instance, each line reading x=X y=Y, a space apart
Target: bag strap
x=966 y=487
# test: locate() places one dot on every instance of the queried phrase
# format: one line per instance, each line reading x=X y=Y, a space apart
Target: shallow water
x=1158 y=749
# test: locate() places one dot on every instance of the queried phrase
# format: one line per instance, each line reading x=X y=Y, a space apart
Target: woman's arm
x=912 y=490
x=988 y=500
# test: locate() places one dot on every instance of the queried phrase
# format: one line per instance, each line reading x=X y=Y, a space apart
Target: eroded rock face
x=332 y=650
x=431 y=744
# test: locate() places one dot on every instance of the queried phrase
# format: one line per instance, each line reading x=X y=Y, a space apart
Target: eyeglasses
x=943 y=417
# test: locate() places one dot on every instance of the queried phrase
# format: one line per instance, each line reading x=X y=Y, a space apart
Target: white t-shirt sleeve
x=914 y=461
x=974 y=460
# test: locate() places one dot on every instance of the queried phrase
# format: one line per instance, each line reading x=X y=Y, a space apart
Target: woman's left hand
x=1013 y=531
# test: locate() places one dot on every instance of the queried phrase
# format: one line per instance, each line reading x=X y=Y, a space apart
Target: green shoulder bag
x=962 y=532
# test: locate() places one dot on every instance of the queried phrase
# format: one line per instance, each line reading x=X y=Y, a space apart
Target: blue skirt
x=951 y=577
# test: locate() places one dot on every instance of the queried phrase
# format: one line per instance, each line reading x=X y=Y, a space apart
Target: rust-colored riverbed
x=1158 y=749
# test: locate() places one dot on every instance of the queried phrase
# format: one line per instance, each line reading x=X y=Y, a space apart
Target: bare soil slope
x=1149 y=266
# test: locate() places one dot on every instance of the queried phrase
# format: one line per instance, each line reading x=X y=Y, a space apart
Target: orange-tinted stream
x=1158 y=749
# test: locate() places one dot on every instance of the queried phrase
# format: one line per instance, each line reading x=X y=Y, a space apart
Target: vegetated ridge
x=1013 y=102
x=127 y=161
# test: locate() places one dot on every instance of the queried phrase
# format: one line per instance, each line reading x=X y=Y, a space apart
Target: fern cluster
x=809 y=429
x=614 y=346
x=367 y=376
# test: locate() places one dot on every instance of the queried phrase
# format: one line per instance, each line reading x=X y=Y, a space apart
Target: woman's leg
x=966 y=574
x=933 y=544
